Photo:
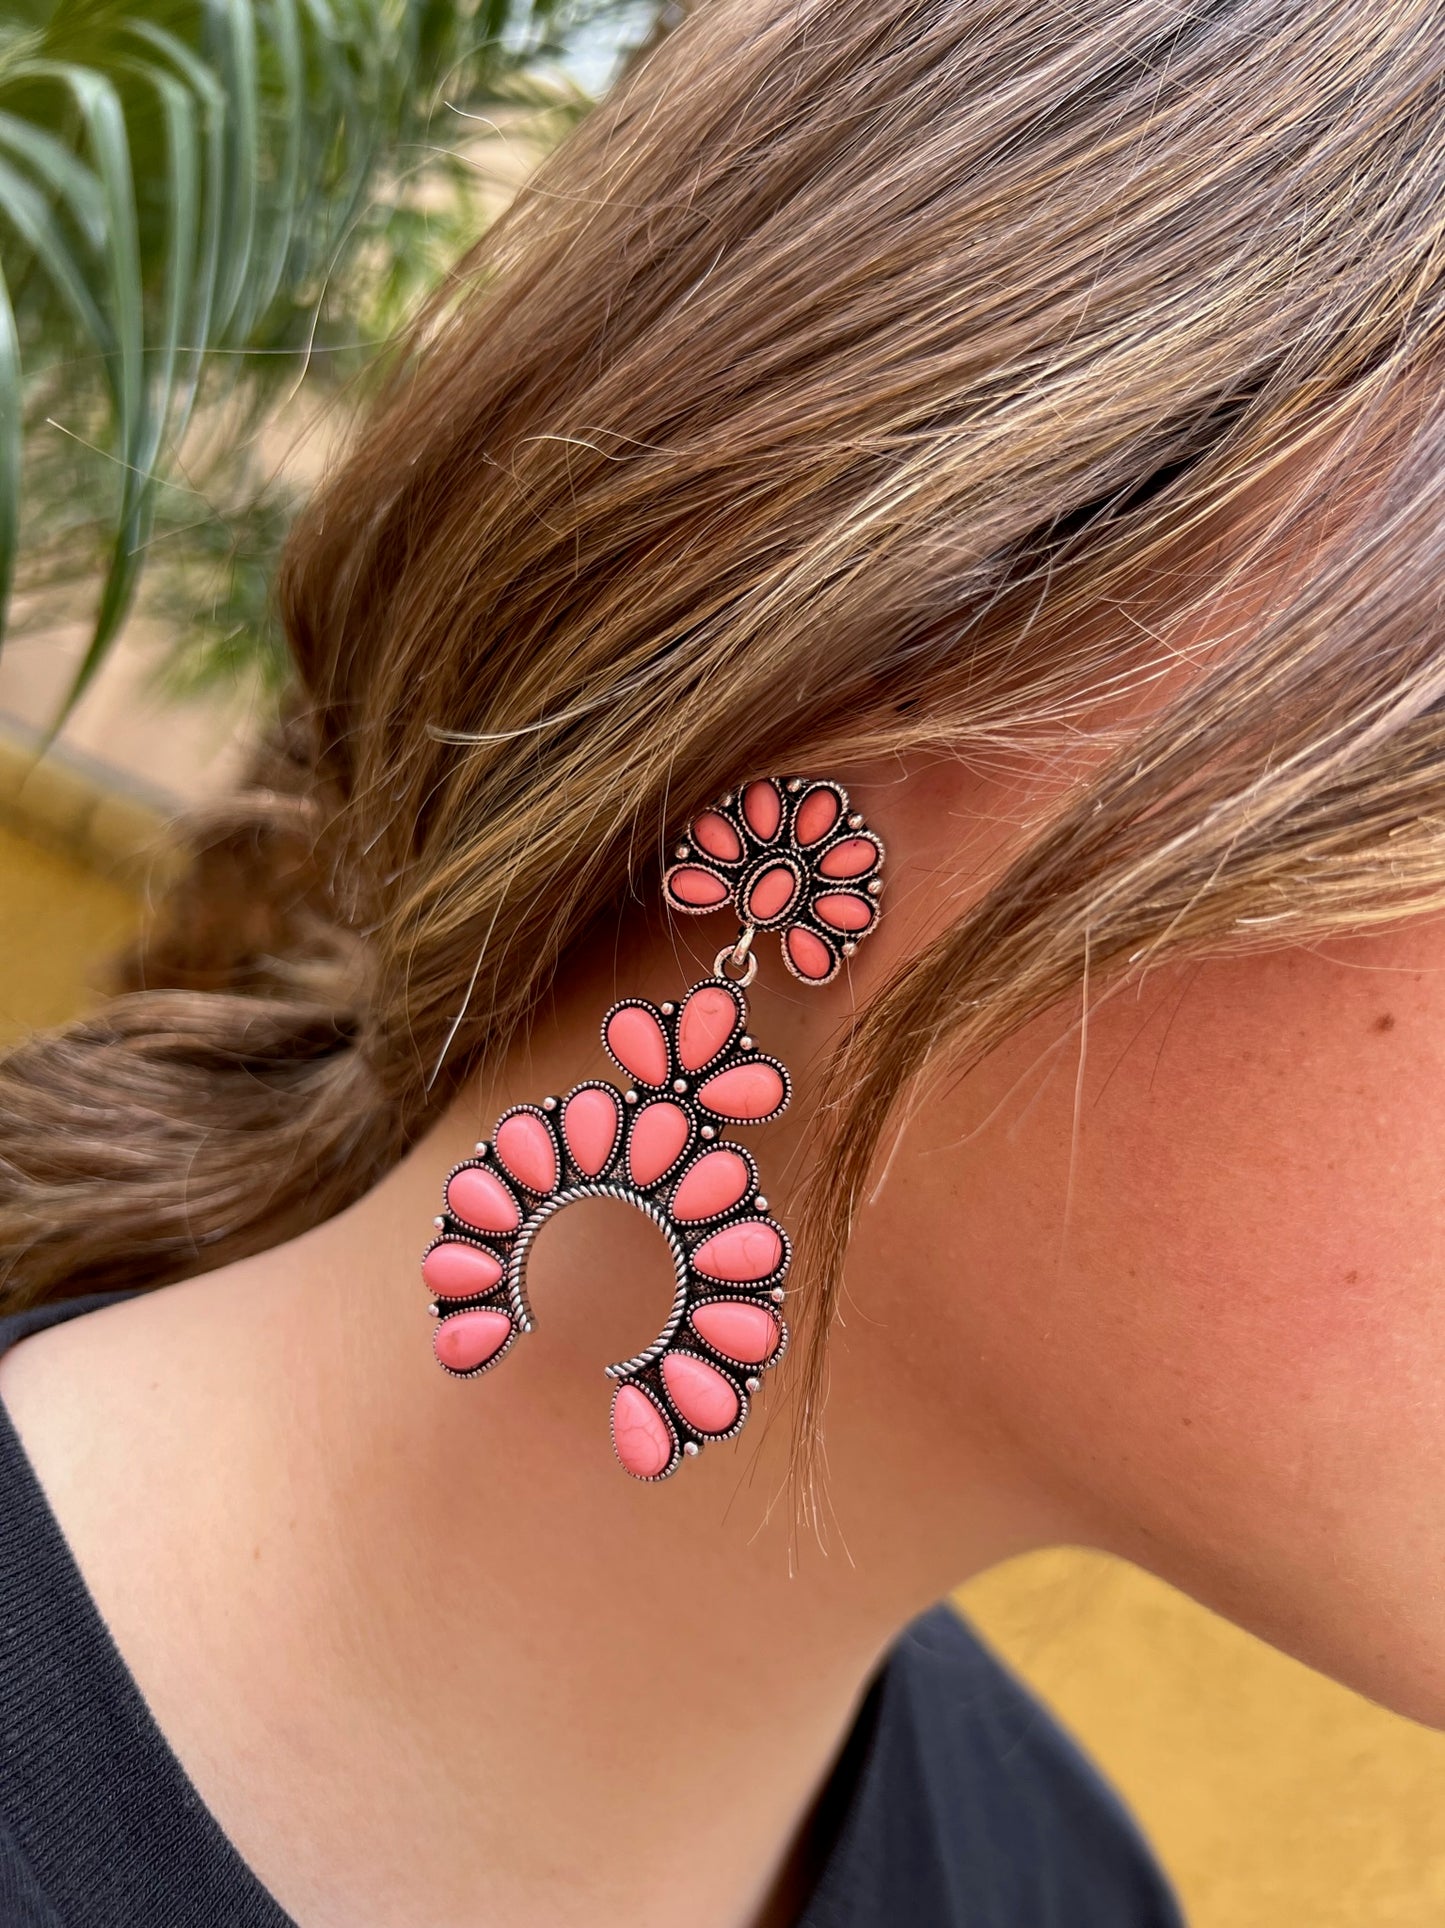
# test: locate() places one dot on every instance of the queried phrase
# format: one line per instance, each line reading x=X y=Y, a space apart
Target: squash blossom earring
x=787 y=855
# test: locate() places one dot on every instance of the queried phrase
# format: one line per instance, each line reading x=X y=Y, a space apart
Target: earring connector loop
x=740 y=959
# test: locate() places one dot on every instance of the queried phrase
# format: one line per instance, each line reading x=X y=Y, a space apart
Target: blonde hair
x=819 y=400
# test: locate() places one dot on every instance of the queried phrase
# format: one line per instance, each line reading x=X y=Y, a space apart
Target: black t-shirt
x=957 y=1801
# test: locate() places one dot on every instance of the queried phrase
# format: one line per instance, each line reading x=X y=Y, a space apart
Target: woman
x=1024 y=416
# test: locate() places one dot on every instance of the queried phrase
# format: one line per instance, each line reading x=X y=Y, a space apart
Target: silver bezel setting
x=693 y=1286
x=758 y=854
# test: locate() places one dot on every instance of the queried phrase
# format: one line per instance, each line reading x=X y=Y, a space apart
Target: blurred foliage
x=207 y=209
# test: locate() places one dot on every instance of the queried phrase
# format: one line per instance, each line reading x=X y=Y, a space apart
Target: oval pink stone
x=525 y=1147
x=772 y=893
x=713 y=833
x=697 y=888
x=709 y=1018
x=479 y=1196
x=763 y=808
x=659 y=1135
x=468 y=1339
x=636 y=1040
x=748 y=1333
x=741 y=1254
x=817 y=814
x=747 y=1091
x=641 y=1435
x=705 y=1397
x=456 y=1271
x=844 y=912
x=850 y=858
x=714 y=1184
x=591 y=1120
x=809 y=953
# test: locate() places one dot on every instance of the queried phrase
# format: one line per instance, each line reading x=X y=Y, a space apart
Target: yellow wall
x=1276 y=1799
x=57 y=923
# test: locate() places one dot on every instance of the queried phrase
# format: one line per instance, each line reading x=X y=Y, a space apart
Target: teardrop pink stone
x=698 y=889
x=479 y=1196
x=456 y=1271
x=704 y=1396
x=525 y=1147
x=817 y=814
x=713 y=833
x=659 y=1133
x=640 y=1433
x=763 y=808
x=850 y=858
x=748 y=1333
x=772 y=893
x=468 y=1339
x=741 y=1254
x=808 y=952
x=590 y=1122
x=747 y=1091
x=709 y=1018
x=844 y=912
x=714 y=1184
x=636 y=1040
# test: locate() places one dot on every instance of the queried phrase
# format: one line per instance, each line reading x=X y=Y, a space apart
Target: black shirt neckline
x=957 y=1801
x=87 y=1771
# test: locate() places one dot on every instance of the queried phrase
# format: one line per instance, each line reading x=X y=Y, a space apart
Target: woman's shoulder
x=15 y=1326
x=54 y=1386
x=98 y=1820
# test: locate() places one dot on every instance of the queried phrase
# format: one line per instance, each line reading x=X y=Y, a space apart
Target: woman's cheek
x=1195 y=1288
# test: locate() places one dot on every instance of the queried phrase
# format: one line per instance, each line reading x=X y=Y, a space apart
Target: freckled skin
x=1194 y=1291
x=1181 y=1299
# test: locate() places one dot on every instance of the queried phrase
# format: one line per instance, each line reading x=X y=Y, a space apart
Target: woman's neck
x=425 y=1650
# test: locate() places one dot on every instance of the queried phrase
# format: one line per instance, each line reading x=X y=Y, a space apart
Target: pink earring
x=787 y=856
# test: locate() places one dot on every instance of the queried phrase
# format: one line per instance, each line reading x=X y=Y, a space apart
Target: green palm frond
x=181 y=184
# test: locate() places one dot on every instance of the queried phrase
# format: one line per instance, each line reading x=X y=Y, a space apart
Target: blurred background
x=214 y=214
